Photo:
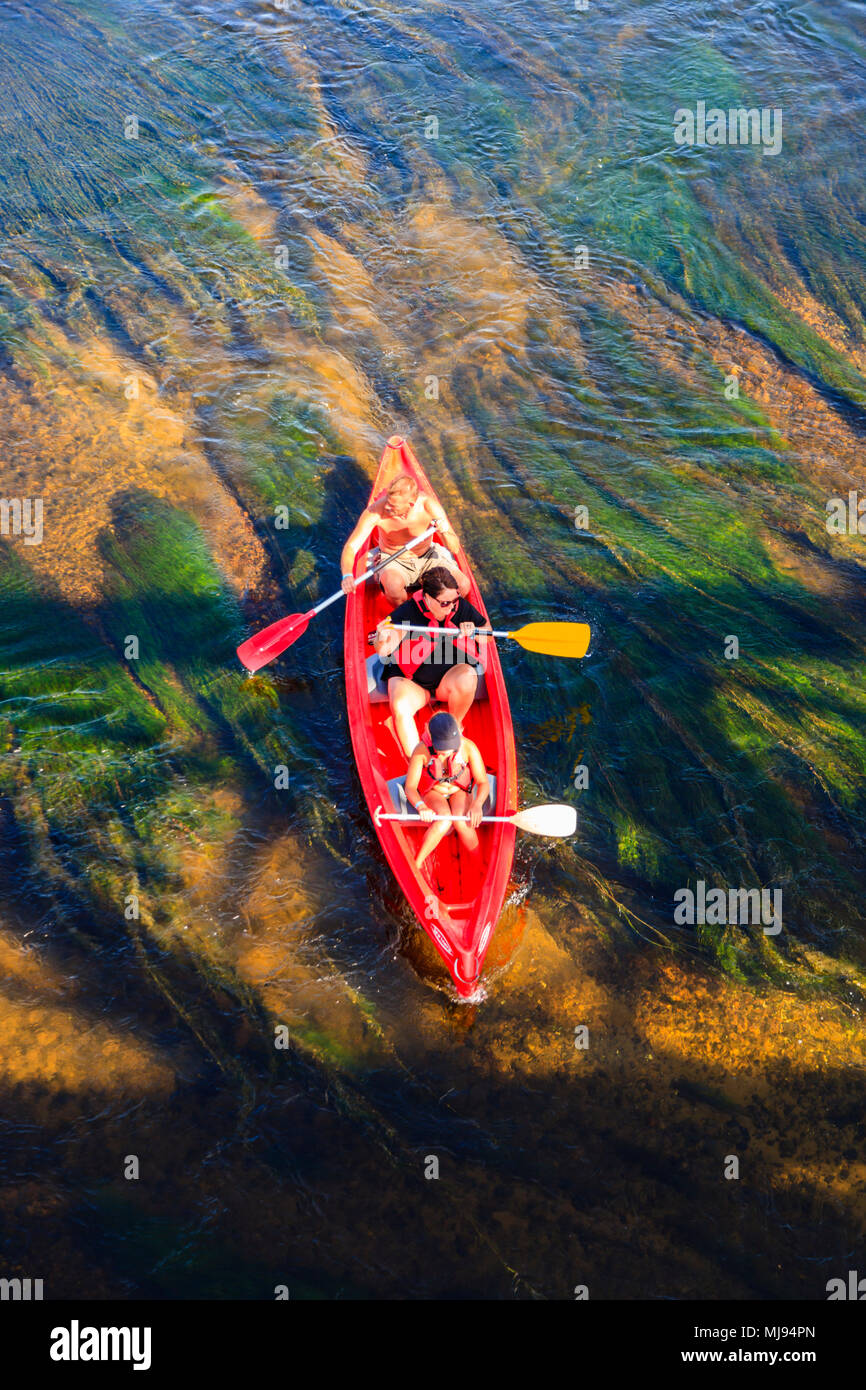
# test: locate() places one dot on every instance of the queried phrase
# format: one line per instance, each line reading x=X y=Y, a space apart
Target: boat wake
x=476 y=997
x=519 y=896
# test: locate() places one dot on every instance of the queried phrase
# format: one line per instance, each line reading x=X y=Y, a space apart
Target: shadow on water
x=313 y=1132
x=542 y=1179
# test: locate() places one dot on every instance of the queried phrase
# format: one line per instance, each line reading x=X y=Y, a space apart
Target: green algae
x=698 y=582
x=137 y=808
x=275 y=460
x=67 y=704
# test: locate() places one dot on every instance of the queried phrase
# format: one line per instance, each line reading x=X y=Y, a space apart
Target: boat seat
x=398 y=796
x=377 y=687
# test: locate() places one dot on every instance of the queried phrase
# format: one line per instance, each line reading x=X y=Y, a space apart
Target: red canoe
x=457 y=897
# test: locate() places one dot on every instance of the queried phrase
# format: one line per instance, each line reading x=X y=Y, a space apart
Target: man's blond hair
x=403 y=484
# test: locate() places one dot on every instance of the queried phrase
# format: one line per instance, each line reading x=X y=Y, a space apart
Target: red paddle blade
x=261 y=648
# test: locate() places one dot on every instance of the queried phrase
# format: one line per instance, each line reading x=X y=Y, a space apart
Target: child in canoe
x=446 y=777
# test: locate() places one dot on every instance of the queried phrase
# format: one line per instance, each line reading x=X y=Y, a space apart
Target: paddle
x=264 y=646
x=549 y=639
x=538 y=820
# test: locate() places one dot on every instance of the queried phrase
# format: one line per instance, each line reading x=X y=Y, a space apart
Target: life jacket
x=416 y=648
x=458 y=774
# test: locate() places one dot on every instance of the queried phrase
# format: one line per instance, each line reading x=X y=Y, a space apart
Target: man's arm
x=364 y=528
x=435 y=513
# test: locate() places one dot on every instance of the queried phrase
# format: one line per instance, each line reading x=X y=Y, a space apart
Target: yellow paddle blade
x=554 y=639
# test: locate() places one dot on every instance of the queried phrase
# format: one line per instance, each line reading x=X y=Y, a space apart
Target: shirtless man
x=401 y=513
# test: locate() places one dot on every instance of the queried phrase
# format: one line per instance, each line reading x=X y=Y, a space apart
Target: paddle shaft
x=449 y=631
x=375 y=570
x=554 y=821
x=263 y=647
x=395 y=815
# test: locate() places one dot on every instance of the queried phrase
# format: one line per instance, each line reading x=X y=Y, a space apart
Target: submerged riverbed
x=241 y=247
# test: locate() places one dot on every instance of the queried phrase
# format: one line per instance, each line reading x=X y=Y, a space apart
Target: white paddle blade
x=547 y=820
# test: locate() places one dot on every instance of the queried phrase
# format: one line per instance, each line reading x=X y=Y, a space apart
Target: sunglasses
x=448 y=603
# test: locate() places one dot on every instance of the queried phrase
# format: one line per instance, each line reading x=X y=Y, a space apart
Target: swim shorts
x=412 y=567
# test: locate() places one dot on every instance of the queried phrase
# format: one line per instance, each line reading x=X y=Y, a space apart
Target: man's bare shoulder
x=432 y=508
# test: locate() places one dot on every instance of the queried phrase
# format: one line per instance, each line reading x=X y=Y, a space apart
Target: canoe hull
x=456 y=897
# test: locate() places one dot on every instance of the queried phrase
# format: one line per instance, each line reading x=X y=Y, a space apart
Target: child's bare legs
x=438 y=830
x=459 y=806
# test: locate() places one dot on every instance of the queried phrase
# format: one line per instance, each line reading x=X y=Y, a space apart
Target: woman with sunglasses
x=421 y=669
